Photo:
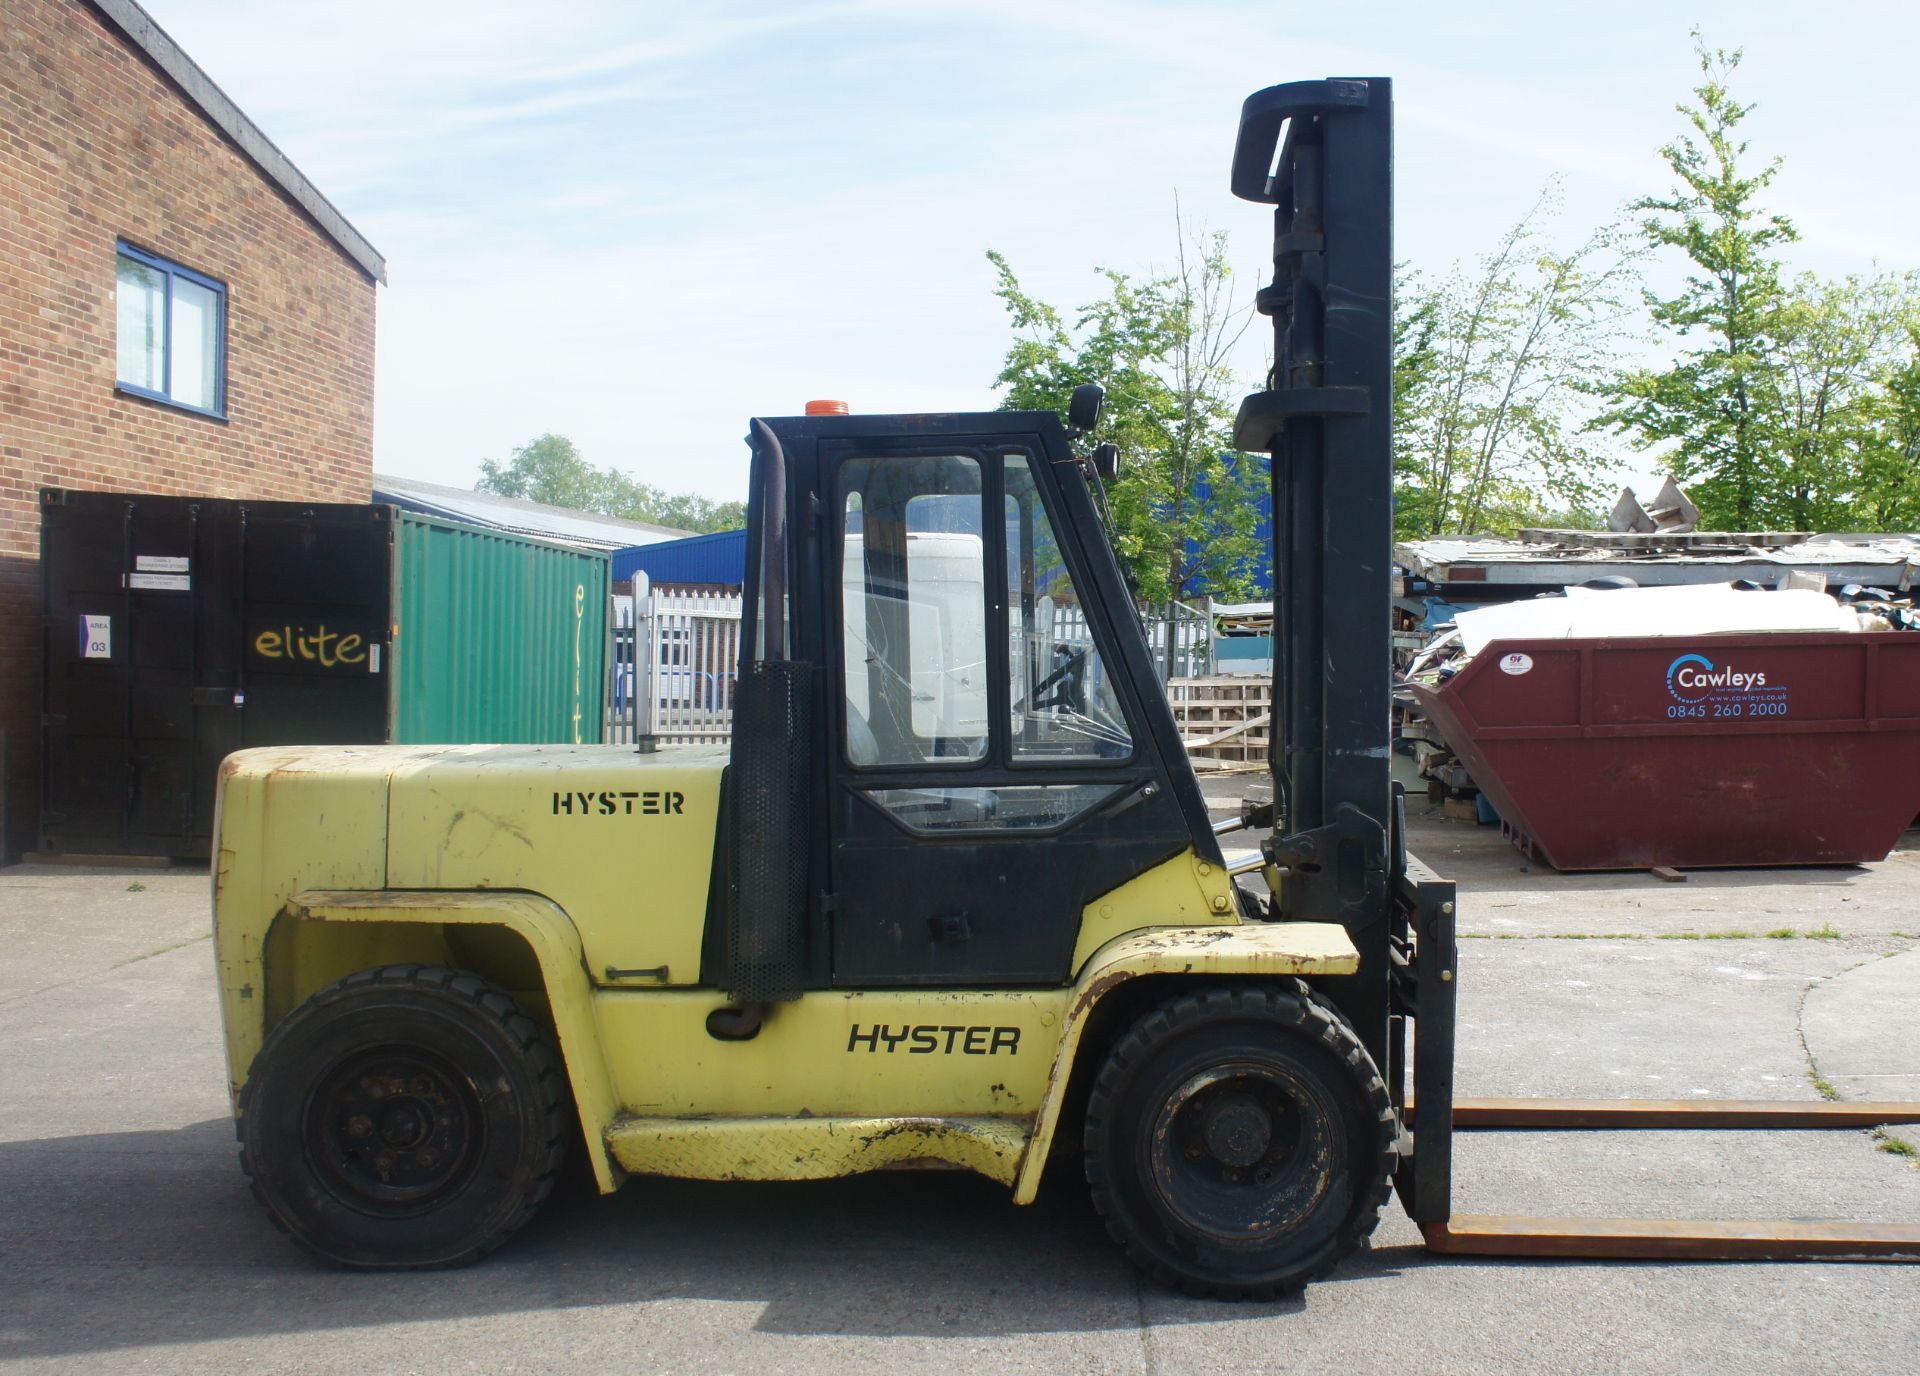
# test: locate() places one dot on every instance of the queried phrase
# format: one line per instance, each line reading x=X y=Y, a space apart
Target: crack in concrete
x=1148 y=1356
x=1800 y=1025
x=1876 y=1137
x=12 y=999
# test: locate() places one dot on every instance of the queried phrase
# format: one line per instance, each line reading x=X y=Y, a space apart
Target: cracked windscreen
x=1064 y=702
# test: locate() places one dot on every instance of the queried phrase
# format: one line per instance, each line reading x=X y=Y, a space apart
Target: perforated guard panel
x=766 y=914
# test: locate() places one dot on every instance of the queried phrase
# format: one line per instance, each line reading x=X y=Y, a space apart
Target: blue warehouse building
x=717 y=560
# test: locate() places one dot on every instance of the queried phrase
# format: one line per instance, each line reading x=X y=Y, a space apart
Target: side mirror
x=1106 y=461
x=1083 y=411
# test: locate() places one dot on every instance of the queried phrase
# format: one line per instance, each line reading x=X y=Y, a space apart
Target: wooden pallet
x=1224 y=721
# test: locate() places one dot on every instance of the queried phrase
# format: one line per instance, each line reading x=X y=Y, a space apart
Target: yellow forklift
x=951 y=897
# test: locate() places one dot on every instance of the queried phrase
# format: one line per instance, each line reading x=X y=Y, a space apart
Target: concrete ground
x=128 y=1240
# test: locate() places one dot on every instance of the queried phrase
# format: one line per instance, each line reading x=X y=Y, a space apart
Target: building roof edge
x=153 y=41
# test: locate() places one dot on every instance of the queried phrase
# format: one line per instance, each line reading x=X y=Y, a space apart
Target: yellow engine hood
x=623 y=842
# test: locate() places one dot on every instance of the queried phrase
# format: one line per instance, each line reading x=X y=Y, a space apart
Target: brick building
x=183 y=311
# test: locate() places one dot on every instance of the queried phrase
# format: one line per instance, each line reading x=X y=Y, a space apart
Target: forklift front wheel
x=1240 y=1141
x=406 y=1117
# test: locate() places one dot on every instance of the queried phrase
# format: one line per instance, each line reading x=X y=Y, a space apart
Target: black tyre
x=1240 y=1141
x=406 y=1117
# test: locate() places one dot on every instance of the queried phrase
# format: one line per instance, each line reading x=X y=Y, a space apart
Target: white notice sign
x=96 y=637
x=161 y=582
x=162 y=563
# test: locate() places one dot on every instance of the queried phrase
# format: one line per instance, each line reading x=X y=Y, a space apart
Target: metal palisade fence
x=674 y=656
x=672 y=667
x=1180 y=638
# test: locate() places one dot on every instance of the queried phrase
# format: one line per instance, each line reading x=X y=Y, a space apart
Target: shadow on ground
x=1480 y=857
x=140 y=1239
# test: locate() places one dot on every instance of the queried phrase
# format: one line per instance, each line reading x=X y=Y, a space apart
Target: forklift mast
x=1320 y=152
x=1326 y=418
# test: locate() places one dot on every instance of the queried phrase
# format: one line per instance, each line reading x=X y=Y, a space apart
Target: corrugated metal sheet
x=719 y=558
x=584 y=528
x=496 y=637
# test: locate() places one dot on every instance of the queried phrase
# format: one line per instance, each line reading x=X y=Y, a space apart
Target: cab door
x=988 y=775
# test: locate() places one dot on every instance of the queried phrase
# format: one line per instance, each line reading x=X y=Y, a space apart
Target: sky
x=638 y=224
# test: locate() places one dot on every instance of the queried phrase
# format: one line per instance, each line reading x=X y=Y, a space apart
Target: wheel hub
x=393 y=1127
x=405 y=1126
x=1245 y=1150
x=1235 y=1128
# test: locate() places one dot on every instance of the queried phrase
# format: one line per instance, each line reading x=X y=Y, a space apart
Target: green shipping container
x=495 y=637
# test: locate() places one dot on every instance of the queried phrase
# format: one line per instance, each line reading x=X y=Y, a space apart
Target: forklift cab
x=986 y=747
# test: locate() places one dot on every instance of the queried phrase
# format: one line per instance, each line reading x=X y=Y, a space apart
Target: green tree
x=1844 y=437
x=1416 y=371
x=1184 y=507
x=1720 y=403
x=1889 y=496
x=686 y=511
x=1488 y=371
x=551 y=469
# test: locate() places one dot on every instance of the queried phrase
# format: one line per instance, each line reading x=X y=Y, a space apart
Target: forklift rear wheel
x=406 y=1117
x=1240 y=1141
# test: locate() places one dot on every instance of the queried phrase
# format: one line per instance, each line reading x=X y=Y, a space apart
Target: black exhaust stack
x=763 y=949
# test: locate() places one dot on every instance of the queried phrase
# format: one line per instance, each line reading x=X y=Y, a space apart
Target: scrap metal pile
x=1456 y=596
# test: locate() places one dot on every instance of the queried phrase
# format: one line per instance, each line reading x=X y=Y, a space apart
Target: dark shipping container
x=1736 y=750
x=181 y=629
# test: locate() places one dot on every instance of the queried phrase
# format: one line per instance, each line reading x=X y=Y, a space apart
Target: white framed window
x=170 y=332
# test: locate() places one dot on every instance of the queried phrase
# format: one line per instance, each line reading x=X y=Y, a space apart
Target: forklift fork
x=1672 y=1239
x=1424 y=996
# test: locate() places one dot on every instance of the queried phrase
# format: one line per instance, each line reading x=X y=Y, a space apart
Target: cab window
x=914 y=609
x=1065 y=706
